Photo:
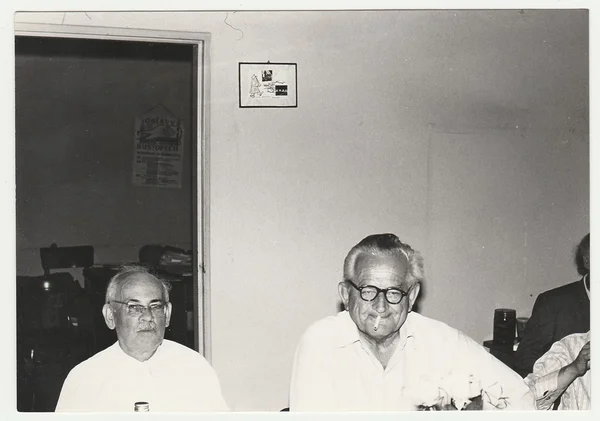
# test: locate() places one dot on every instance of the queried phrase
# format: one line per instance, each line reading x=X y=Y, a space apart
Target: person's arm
x=211 y=393
x=553 y=373
x=73 y=394
x=537 y=338
x=311 y=387
x=501 y=387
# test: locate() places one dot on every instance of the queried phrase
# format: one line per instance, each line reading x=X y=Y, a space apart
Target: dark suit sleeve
x=537 y=337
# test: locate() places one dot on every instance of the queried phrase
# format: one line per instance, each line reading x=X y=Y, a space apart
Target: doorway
x=81 y=95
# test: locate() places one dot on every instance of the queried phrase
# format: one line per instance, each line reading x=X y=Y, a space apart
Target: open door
x=82 y=94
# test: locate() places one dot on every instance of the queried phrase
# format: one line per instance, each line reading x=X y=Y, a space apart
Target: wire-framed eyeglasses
x=136 y=309
x=392 y=295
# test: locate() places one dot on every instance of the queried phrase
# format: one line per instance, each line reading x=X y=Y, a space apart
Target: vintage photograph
x=249 y=211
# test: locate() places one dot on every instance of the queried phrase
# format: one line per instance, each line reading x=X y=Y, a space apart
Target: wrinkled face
x=382 y=272
x=143 y=332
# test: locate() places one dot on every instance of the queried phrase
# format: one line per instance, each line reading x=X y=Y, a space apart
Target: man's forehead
x=141 y=284
x=388 y=267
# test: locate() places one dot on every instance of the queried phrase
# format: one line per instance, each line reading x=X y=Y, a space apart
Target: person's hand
x=581 y=364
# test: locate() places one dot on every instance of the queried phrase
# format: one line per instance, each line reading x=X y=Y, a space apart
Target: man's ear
x=167 y=314
x=344 y=293
x=412 y=295
x=109 y=316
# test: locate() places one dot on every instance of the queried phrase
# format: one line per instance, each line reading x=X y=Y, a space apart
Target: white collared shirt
x=333 y=371
x=544 y=379
x=587 y=290
x=175 y=378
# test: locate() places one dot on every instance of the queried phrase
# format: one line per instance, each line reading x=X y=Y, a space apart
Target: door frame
x=200 y=133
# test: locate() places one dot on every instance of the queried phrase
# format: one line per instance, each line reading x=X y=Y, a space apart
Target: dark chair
x=55 y=257
x=150 y=254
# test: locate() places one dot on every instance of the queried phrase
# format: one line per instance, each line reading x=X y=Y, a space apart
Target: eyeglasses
x=392 y=295
x=134 y=309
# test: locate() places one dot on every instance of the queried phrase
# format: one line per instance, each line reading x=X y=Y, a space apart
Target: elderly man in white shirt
x=141 y=366
x=563 y=371
x=380 y=355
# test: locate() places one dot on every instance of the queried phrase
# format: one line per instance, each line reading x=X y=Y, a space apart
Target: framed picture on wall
x=268 y=85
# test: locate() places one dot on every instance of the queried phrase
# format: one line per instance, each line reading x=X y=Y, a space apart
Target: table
x=504 y=352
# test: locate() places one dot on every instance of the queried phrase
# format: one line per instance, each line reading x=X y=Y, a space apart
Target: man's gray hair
x=116 y=282
x=386 y=245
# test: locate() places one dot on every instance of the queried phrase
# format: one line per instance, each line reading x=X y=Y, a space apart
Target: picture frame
x=268 y=85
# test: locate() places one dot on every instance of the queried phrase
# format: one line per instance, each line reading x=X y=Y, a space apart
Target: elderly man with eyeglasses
x=379 y=355
x=141 y=366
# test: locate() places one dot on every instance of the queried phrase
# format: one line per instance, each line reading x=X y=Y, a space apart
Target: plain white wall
x=464 y=132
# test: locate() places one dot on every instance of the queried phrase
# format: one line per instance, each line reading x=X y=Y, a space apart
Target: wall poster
x=158 y=149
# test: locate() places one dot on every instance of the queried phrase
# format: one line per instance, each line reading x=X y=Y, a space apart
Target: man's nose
x=380 y=303
x=147 y=314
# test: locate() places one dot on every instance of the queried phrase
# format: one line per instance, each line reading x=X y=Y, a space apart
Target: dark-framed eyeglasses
x=136 y=309
x=392 y=295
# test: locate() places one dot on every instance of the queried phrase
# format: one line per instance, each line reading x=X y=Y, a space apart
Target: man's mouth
x=146 y=328
x=376 y=324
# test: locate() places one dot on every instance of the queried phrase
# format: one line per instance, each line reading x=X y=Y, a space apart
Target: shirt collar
x=127 y=359
x=347 y=334
x=587 y=290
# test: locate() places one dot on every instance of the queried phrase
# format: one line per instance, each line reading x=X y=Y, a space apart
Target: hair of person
x=583 y=249
x=117 y=281
x=385 y=245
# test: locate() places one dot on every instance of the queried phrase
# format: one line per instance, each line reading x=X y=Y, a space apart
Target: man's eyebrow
x=399 y=287
x=136 y=301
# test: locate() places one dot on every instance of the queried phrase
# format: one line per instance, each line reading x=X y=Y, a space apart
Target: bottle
x=141 y=407
x=505 y=320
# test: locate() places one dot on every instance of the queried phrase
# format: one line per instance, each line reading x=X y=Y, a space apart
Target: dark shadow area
x=95 y=49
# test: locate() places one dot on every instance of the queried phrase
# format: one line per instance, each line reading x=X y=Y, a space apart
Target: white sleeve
x=196 y=385
x=502 y=388
x=73 y=394
x=543 y=382
x=311 y=387
x=216 y=401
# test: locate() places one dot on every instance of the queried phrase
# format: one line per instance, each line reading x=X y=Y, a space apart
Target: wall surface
x=464 y=132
